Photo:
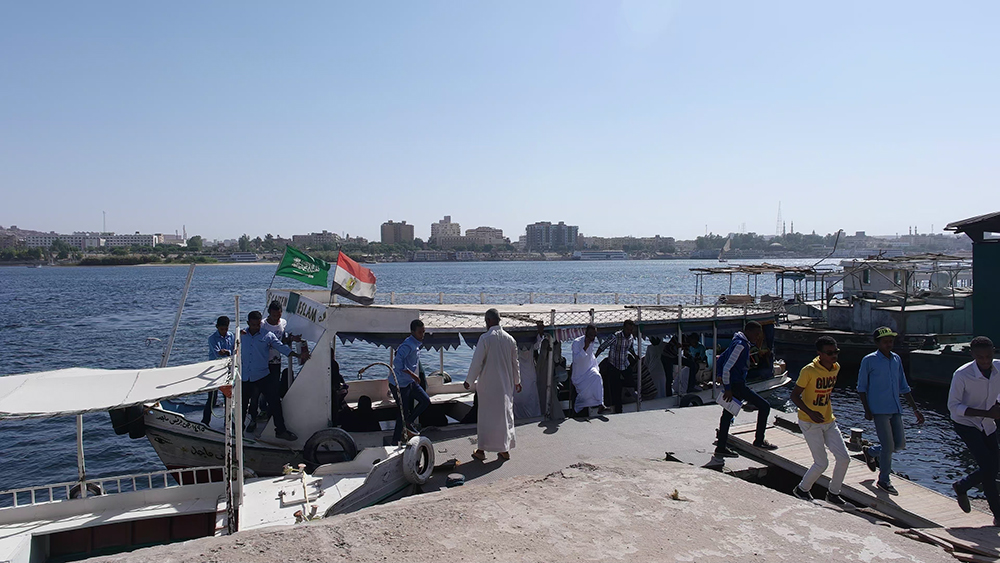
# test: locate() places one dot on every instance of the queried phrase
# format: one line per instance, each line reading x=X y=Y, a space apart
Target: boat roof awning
x=83 y=390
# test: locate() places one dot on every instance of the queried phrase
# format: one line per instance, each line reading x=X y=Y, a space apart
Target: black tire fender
x=310 y=451
x=691 y=400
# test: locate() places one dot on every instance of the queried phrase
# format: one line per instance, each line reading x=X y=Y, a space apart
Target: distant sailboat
x=725 y=248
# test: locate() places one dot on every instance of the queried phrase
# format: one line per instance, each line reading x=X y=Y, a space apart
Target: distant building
x=445 y=228
x=395 y=233
x=482 y=236
x=81 y=240
x=544 y=236
x=168 y=238
x=446 y=242
x=313 y=240
x=130 y=240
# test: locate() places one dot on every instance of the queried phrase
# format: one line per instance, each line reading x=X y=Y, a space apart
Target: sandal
x=504 y=456
x=479 y=454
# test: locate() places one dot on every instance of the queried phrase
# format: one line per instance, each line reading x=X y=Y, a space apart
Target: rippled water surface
x=108 y=317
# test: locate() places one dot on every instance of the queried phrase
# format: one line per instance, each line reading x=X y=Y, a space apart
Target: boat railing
x=482 y=298
x=584 y=315
x=71 y=490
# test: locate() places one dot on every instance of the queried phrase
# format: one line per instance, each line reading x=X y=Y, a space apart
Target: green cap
x=883 y=331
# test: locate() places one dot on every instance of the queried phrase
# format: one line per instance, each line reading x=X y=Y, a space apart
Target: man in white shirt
x=974 y=407
x=586 y=376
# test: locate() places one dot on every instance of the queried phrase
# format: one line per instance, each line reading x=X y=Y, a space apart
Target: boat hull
x=184 y=443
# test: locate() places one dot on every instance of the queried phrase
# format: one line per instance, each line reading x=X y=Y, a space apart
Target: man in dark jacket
x=731 y=367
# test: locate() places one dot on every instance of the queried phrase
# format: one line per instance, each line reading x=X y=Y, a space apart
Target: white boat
x=95 y=516
x=311 y=404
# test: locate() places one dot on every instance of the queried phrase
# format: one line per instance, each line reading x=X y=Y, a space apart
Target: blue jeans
x=889 y=429
x=410 y=393
x=743 y=393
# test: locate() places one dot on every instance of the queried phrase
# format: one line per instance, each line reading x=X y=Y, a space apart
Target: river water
x=120 y=317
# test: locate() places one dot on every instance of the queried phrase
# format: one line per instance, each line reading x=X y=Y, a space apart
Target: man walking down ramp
x=819 y=426
x=880 y=383
x=495 y=374
x=732 y=368
x=972 y=401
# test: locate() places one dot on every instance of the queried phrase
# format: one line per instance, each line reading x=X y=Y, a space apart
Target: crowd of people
x=495 y=374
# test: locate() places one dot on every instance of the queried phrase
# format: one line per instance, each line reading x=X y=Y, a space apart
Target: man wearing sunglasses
x=819 y=426
x=972 y=401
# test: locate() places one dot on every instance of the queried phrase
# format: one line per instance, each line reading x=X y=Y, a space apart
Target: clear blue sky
x=620 y=117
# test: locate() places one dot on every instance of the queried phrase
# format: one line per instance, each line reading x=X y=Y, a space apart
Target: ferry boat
x=600 y=255
x=312 y=404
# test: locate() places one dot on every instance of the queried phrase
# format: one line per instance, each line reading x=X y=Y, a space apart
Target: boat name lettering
x=204 y=452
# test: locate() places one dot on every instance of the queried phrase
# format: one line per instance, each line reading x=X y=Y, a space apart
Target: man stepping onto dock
x=732 y=368
x=880 y=383
x=819 y=426
x=972 y=401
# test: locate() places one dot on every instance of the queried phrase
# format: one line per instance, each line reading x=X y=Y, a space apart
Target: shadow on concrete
x=468 y=466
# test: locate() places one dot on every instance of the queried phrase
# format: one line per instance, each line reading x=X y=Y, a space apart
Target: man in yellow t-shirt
x=819 y=426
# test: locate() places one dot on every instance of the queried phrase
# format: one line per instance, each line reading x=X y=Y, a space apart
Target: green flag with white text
x=300 y=266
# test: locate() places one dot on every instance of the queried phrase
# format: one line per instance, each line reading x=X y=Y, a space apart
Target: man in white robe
x=586 y=375
x=494 y=372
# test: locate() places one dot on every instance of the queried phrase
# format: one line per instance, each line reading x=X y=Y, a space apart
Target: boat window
x=897 y=277
x=866 y=276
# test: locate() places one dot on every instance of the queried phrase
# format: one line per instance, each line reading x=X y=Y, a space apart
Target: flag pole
x=333 y=282
x=275 y=274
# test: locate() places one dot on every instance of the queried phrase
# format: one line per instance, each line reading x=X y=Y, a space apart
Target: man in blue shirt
x=880 y=383
x=731 y=368
x=256 y=345
x=404 y=382
x=220 y=345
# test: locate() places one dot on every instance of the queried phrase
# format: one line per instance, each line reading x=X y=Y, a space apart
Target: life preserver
x=329 y=436
x=93 y=490
x=418 y=460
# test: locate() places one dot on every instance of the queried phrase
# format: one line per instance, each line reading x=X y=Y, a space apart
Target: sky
x=624 y=118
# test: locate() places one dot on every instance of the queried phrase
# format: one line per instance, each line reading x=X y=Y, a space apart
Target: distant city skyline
x=512 y=235
x=631 y=117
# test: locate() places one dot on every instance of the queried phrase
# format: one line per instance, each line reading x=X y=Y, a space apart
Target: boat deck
x=928 y=512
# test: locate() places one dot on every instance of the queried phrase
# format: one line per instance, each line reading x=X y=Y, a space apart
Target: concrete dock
x=655 y=433
x=686 y=435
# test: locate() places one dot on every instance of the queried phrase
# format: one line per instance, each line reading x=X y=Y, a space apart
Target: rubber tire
x=311 y=447
x=691 y=400
x=416 y=449
x=93 y=490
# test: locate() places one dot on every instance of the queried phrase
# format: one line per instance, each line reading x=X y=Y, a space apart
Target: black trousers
x=613 y=378
x=985 y=451
x=268 y=387
x=743 y=393
x=206 y=416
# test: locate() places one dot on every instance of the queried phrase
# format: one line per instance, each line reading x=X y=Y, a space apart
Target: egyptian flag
x=353 y=282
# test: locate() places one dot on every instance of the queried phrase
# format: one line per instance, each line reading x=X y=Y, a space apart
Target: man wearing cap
x=972 y=402
x=880 y=383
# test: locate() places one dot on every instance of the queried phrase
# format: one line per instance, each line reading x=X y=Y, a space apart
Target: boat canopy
x=82 y=390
